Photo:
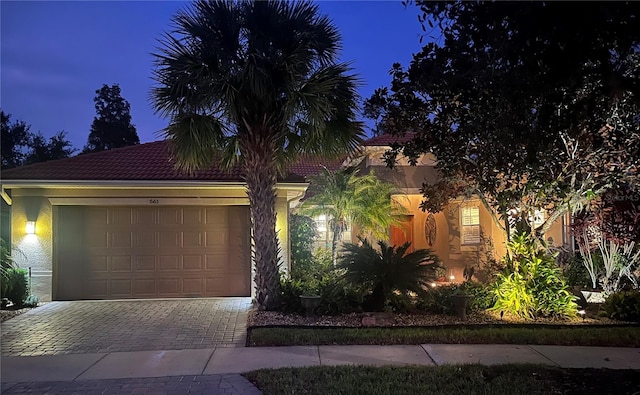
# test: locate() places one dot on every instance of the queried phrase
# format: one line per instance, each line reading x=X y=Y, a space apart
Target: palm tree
x=388 y=269
x=255 y=84
x=346 y=197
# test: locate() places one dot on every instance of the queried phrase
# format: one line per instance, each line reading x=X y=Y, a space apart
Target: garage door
x=151 y=252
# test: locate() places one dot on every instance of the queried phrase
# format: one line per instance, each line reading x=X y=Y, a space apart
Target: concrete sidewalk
x=221 y=361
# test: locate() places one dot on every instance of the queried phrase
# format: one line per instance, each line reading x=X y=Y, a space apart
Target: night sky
x=54 y=55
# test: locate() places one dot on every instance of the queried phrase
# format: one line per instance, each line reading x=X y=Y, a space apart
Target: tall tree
x=112 y=127
x=14 y=141
x=21 y=147
x=256 y=82
x=41 y=150
x=346 y=197
x=524 y=104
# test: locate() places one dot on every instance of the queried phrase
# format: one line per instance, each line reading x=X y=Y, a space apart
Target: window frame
x=464 y=239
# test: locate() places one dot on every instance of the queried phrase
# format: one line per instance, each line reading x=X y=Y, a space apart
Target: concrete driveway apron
x=79 y=327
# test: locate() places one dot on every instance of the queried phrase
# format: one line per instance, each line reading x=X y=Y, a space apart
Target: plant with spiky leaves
x=388 y=270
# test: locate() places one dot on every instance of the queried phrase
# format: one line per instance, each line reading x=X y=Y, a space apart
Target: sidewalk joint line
x=90 y=366
x=319 y=357
x=428 y=355
x=544 y=356
x=208 y=360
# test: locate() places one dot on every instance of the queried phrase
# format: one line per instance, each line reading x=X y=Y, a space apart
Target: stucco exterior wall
x=34 y=251
x=447 y=245
x=556 y=236
x=282 y=230
x=36 y=203
x=408 y=177
x=454 y=255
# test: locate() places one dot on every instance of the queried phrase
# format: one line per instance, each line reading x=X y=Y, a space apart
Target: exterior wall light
x=31 y=227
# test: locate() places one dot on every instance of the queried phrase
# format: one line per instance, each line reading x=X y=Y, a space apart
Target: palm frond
x=347 y=196
x=389 y=268
x=263 y=67
x=195 y=141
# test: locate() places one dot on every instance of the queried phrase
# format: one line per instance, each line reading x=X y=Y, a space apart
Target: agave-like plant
x=388 y=269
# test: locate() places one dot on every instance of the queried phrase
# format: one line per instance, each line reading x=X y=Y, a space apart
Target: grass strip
x=565 y=336
x=435 y=380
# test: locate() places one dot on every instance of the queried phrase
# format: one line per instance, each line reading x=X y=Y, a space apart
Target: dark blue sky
x=54 y=55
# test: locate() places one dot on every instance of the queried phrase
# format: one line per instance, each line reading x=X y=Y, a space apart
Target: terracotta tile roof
x=387 y=139
x=145 y=162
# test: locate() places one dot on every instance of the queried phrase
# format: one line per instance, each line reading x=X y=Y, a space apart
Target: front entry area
x=120 y=252
x=403 y=232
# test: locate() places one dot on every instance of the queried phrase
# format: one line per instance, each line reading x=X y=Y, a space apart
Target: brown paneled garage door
x=153 y=252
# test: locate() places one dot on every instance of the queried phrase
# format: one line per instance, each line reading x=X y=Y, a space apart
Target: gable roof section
x=147 y=162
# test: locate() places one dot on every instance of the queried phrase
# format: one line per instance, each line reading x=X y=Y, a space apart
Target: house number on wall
x=154 y=201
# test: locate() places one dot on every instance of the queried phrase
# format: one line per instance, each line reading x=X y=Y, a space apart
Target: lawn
x=609 y=336
x=464 y=379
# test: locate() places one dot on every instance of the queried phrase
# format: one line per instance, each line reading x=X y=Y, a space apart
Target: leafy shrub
x=623 y=306
x=290 y=291
x=6 y=264
x=399 y=303
x=577 y=274
x=17 y=289
x=488 y=266
x=439 y=300
x=322 y=279
x=388 y=270
x=552 y=295
x=303 y=234
x=532 y=285
x=483 y=298
x=31 y=301
x=338 y=296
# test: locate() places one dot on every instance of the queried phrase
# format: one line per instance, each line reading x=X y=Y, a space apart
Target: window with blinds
x=325 y=235
x=470 y=225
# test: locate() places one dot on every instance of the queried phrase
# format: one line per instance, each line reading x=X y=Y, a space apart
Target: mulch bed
x=9 y=313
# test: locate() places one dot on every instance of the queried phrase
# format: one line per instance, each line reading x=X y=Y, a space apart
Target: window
x=325 y=235
x=470 y=225
x=321 y=227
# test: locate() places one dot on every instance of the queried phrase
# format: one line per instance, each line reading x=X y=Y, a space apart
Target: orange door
x=403 y=232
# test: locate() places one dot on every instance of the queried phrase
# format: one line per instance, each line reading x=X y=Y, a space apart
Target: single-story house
x=125 y=223
x=458 y=234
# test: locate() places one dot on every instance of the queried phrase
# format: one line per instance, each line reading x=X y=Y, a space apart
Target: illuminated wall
x=34 y=250
x=282 y=229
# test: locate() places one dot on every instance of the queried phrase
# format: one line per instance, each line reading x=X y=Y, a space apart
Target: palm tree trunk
x=261 y=178
x=337 y=235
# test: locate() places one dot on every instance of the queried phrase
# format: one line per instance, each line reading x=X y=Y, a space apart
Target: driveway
x=80 y=327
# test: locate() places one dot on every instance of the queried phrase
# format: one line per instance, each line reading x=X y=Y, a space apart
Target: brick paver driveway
x=217 y=384
x=126 y=325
